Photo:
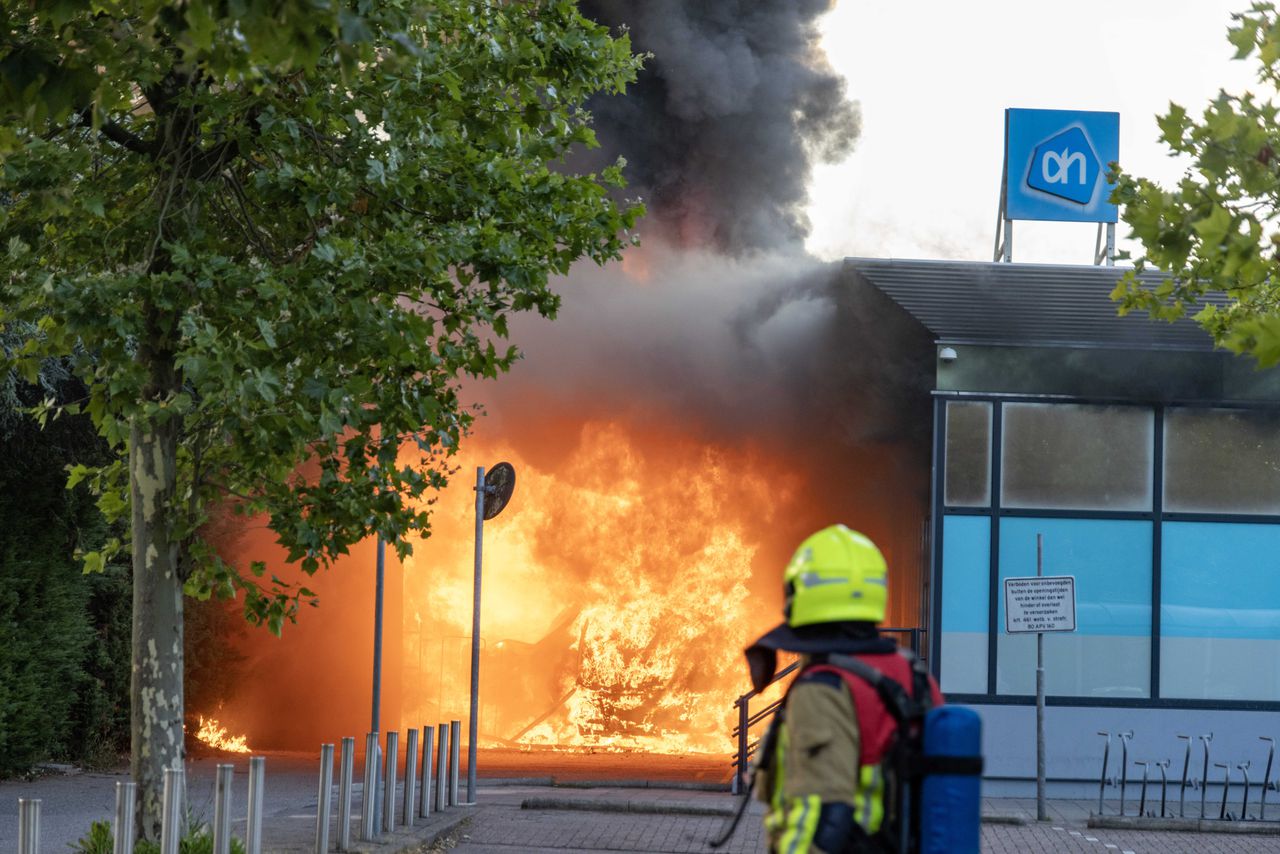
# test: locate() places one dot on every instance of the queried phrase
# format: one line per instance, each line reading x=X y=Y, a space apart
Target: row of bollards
x=171 y=813
x=1202 y=783
x=436 y=763
x=433 y=762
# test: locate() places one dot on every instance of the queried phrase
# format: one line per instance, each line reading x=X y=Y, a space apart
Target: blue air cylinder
x=951 y=792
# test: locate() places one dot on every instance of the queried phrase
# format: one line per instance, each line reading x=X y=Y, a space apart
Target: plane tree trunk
x=156 y=707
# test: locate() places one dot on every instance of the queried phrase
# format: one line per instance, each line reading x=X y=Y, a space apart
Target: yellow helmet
x=836 y=575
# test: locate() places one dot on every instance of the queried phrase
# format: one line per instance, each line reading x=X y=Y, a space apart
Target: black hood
x=850 y=638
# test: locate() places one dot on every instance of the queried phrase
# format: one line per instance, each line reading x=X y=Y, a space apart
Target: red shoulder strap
x=876 y=726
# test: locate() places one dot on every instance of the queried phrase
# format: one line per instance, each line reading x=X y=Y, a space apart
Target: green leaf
x=1173 y=124
x=264 y=329
x=1243 y=37
x=1213 y=228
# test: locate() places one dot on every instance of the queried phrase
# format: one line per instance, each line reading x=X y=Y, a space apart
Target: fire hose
x=764 y=755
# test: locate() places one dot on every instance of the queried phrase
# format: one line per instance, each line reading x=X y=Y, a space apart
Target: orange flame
x=216 y=736
x=633 y=564
x=616 y=595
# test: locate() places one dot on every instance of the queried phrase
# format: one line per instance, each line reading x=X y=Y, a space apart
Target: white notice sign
x=1040 y=604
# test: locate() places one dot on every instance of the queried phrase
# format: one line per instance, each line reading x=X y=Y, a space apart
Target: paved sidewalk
x=579 y=817
x=502 y=827
x=661 y=821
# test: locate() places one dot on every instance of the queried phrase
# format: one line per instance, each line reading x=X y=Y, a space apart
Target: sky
x=934 y=77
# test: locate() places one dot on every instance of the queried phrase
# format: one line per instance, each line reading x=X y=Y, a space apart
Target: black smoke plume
x=723 y=125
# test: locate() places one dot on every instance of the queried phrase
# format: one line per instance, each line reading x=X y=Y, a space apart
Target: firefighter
x=822 y=766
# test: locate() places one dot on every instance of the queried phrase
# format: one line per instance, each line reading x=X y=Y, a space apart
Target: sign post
x=493 y=491
x=1040 y=604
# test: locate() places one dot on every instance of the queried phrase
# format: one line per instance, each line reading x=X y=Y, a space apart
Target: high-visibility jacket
x=826 y=775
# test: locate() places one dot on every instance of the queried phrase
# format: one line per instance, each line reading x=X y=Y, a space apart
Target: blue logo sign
x=1055 y=163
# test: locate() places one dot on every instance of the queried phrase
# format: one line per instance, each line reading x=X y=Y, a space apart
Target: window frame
x=1155 y=515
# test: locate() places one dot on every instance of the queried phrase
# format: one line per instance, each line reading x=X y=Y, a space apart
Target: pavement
x=657 y=820
x=569 y=815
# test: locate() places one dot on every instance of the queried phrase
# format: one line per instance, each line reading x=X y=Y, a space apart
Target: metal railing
x=747 y=719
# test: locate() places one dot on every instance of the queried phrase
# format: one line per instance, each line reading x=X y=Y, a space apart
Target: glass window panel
x=968 y=473
x=966 y=585
x=1221 y=461
x=1076 y=457
x=1109 y=654
x=1220 y=611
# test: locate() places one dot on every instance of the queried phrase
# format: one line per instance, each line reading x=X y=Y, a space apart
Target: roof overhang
x=1035 y=305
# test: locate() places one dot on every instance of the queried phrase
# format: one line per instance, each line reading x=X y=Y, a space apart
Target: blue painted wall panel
x=966 y=573
x=1220 y=579
x=1110 y=559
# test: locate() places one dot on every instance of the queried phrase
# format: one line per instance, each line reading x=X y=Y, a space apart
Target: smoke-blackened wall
x=735 y=104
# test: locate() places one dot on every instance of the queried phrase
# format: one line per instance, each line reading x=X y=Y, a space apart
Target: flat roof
x=1038 y=305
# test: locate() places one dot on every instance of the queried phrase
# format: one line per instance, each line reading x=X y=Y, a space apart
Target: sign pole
x=1040 y=604
x=1041 y=812
x=379 y=584
x=473 y=723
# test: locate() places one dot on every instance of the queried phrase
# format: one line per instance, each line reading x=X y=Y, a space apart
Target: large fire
x=620 y=587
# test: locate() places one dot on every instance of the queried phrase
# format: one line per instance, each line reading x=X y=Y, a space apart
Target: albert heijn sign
x=1056 y=163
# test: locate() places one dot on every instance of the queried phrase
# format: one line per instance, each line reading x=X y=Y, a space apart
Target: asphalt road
x=71 y=803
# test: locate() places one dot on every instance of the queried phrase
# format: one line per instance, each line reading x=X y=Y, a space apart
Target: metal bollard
x=455 y=743
x=1266 y=777
x=1102 y=779
x=28 y=825
x=442 y=768
x=428 y=758
x=1244 y=802
x=346 y=773
x=122 y=829
x=257 y=779
x=171 y=811
x=324 y=799
x=1142 y=801
x=1204 y=771
x=389 y=798
x=369 y=800
x=1124 y=764
x=222 y=809
x=410 y=776
x=1182 y=790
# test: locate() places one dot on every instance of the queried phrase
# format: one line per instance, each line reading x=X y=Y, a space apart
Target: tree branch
x=119 y=135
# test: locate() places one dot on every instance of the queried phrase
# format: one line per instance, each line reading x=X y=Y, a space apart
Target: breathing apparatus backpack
x=932 y=768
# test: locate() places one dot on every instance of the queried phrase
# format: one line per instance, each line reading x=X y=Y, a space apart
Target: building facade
x=1150 y=465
